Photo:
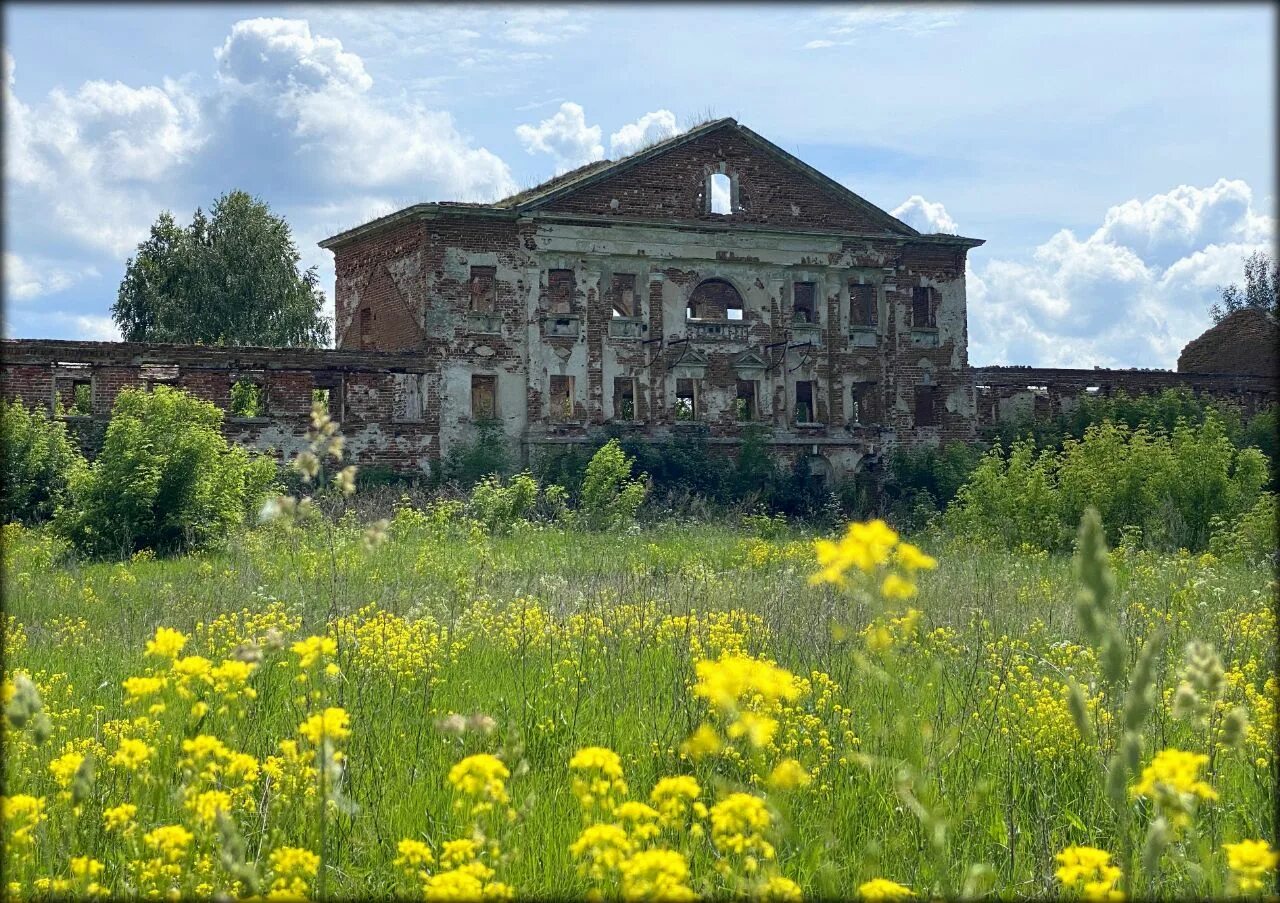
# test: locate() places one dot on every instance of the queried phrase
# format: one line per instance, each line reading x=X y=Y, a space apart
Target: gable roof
x=533 y=199
x=600 y=170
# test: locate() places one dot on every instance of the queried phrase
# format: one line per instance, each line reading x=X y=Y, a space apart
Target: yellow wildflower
x=1250 y=861
x=865 y=546
x=166 y=644
x=789 y=775
x=132 y=754
x=883 y=889
x=1089 y=872
x=119 y=818
x=656 y=874
x=332 y=724
x=22 y=815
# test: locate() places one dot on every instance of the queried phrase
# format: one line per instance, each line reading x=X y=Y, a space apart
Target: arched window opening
x=720 y=193
x=714 y=299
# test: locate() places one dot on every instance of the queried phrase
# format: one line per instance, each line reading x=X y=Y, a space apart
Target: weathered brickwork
x=621 y=296
x=1246 y=342
x=711 y=283
x=1005 y=393
x=372 y=394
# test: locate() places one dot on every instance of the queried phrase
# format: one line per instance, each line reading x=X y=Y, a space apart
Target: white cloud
x=846 y=25
x=27 y=278
x=648 y=129
x=284 y=54
x=1132 y=293
x=925 y=216
x=565 y=136
x=536 y=27
x=94 y=328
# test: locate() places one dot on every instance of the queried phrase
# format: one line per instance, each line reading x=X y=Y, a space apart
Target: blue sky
x=1118 y=159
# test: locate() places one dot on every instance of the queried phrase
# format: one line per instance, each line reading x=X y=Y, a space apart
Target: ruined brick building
x=711 y=281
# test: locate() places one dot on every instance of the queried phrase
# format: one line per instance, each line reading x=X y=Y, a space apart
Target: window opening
x=561 y=398
x=803 y=306
x=686 y=399
x=720 y=191
x=484 y=397
x=862 y=305
x=745 y=404
x=864 y=403
x=923 y=307
x=624 y=398
x=926 y=405
x=804 y=401
x=560 y=291
x=715 y=299
x=624 y=295
x=247 y=399
x=483 y=289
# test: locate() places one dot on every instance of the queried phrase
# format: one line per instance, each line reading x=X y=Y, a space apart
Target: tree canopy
x=231 y=278
x=1261 y=280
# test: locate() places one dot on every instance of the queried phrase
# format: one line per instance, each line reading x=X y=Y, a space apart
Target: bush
x=39 y=462
x=1253 y=537
x=1170 y=487
x=610 y=498
x=165 y=479
x=498 y=507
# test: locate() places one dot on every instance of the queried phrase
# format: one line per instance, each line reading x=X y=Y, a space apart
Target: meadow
x=428 y=708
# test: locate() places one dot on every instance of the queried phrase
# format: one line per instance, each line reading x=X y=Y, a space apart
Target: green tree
x=229 y=279
x=1261 y=280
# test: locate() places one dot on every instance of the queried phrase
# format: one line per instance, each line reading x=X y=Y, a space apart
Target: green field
x=940 y=747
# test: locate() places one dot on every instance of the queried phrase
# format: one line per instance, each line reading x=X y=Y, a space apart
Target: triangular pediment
x=669 y=181
x=749 y=360
x=686 y=355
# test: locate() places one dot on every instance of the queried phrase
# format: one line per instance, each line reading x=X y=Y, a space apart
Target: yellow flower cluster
x=868 y=547
x=1088 y=872
x=481 y=782
x=878 y=889
x=1172 y=782
x=597 y=780
x=1249 y=862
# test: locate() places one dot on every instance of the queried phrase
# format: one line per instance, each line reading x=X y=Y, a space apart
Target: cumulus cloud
x=283 y=54
x=27 y=278
x=925 y=216
x=648 y=129
x=1132 y=293
x=565 y=136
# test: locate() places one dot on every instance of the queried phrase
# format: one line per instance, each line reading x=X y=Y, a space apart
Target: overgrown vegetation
x=165 y=479
x=39 y=463
x=1169 y=488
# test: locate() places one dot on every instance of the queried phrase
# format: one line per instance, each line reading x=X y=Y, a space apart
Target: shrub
x=610 y=498
x=498 y=507
x=39 y=461
x=1253 y=537
x=1170 y=487
x=165 y=479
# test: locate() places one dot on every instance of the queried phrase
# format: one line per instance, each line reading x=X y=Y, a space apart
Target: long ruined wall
x=377 y=397
x=1006 y=393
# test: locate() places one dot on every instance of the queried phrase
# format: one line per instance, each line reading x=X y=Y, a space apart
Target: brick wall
x=1245 y=342
x=368 y=392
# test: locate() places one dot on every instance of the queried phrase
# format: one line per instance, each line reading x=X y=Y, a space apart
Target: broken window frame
x=480 y=381
x=247 y=398
x=747 y=407
x=334 y=385
x=800 y=303
x=72 y=377
x=927 y=412
x=810 y=406
x=686 y=408
x=561 y=288
x=561 y=409
x=623 y=400
x=865 y=408
x=924 y=299
x=484 y=290
x=863 y=309
x=622 y=286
